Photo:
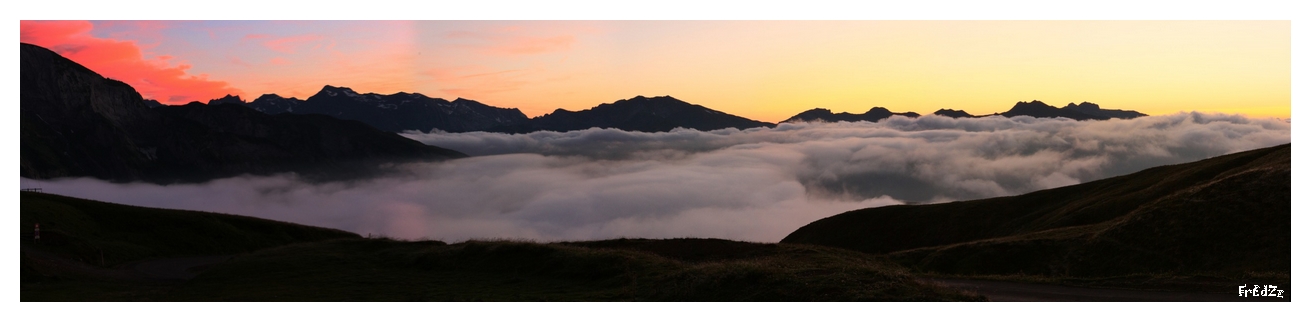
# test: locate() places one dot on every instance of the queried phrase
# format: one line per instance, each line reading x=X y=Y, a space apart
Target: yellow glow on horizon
x=771 y=70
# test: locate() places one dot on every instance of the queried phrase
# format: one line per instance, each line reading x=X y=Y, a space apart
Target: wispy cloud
x=159 y=78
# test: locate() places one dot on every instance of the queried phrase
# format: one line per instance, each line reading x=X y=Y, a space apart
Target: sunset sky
x=764 y=70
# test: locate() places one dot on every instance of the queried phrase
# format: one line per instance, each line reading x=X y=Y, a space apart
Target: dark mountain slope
x=321 y=146
x=75 y=123
x=396 y=112
x=1225 y=214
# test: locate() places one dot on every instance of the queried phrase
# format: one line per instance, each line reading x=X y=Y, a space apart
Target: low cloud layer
x=757 y=184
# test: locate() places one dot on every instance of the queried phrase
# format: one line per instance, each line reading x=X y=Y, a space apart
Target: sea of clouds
x=756 y=184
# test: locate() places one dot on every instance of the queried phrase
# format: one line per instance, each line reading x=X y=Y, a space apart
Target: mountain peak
x=1031 y=104
x=334 y=91
x=641 y=98
x=879 y=110
x=1083 y=107
x=952 y=113
x=825 y=115
x=268 y=96
x=227 y=99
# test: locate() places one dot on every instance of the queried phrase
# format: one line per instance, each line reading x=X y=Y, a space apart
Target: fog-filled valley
x=755 y=185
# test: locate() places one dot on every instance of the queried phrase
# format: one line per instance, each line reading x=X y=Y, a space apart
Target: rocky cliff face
x=76 y=123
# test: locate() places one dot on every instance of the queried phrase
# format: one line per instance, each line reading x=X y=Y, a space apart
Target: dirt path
x=1001 y=291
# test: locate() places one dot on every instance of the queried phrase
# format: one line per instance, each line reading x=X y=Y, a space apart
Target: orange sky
x=764 y=70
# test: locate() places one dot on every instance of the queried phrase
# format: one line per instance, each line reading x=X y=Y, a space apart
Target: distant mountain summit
x=825 y=115
x=1082 y=111
x=953 y=113
x=228 y=99
x=274 y=104
x=645 y=114
x=1094 y=110
x=76 y=123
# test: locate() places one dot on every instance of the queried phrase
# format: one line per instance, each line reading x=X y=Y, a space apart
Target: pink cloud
x=156 y=78
x=279 y=61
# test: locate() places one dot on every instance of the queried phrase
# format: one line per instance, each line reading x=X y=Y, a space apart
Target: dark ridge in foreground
x=1220 y=216
x=105 y=234
x=385 y=270
x=76 y=123
x=96 y=251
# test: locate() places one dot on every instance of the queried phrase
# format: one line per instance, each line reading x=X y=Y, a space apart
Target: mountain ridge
x=396 y=113
x=77 y=123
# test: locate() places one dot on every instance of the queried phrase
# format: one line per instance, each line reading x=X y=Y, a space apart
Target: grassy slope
x=281 y=261
x=84 y=244
x=386 y=270
x=83 y=230
x=1226 y=217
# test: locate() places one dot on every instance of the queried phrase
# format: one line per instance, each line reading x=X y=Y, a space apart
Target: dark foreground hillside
x=95 y=232
x=86 y=246
x=387 y=270
x=173 y=255
x=1227 y=217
